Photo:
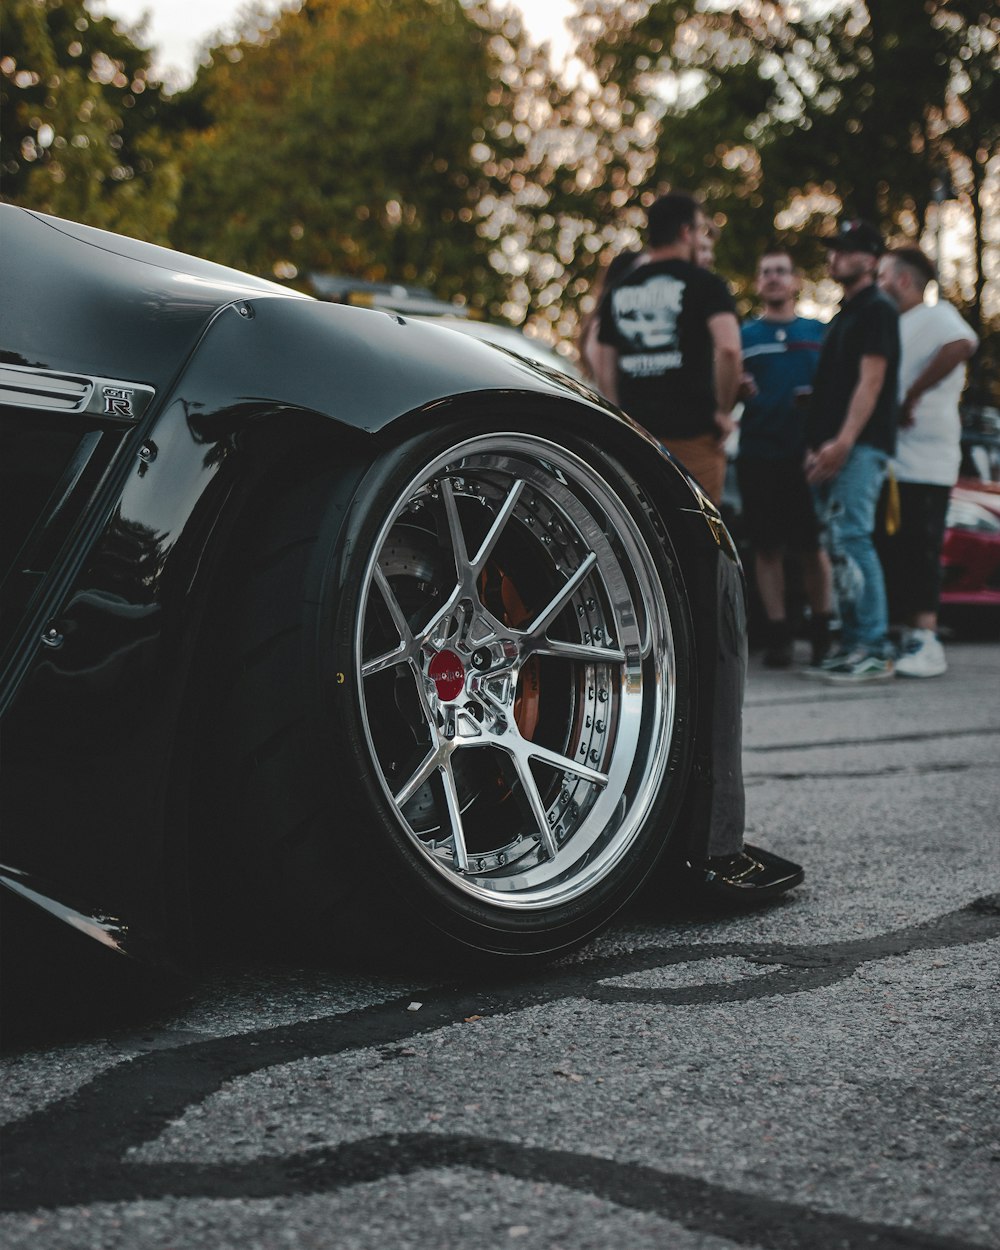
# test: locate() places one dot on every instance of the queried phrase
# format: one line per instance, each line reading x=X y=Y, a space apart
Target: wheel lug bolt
x=481 y=658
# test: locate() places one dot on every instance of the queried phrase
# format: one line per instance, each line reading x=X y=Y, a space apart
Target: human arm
x=947 y=358
x=603 y=359
x=827 y=460
x=587 y=343
x=727 y=364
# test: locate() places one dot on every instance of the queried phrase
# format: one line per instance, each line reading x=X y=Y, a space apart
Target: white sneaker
x=924 y=656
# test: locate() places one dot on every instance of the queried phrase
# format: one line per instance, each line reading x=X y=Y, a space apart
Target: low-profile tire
x=457 y=696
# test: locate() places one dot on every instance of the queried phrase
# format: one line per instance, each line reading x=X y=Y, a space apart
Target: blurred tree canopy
x=82 y=121
x=785 y=115
x=430 y=142
x=350 y=136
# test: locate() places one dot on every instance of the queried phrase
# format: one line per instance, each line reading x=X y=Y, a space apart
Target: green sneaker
x=858 y=667
x=832 y=661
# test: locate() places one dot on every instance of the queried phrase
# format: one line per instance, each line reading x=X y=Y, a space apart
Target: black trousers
x=911 y=558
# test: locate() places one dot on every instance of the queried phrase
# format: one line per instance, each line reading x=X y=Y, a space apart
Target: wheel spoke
x=530 y=787
x=424 y=769
x=392 y=603
x=496 y=529
x=406 y=647
x=459 y=549
x=455 y=816
x=562 y=596
x=389 y=659
x=565 y=764
x=577 y=651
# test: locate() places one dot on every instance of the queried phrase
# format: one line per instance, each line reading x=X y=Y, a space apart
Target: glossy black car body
x=162 y=420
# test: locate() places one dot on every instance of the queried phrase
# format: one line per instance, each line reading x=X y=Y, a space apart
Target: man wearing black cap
x=851 y=435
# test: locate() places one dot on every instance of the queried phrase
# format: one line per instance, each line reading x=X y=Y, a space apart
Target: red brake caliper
x=526 y=701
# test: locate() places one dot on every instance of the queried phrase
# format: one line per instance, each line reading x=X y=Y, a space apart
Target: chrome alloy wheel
x=515 y=660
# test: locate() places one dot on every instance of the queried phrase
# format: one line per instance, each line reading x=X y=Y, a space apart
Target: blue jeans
x=846 y=506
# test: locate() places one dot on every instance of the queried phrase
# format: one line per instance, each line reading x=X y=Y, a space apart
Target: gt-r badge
x=118 y=401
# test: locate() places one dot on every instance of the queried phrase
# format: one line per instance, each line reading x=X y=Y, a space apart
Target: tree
x=968 y=138
x=544 y=206
x=82 y=121
x=344 y=138
x=785 y=116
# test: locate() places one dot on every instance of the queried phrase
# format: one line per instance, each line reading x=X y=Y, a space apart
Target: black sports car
x=329 y=622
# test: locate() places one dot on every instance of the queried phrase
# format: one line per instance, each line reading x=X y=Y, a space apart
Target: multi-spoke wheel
x=481 y=713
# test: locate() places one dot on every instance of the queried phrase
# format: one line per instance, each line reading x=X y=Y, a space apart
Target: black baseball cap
x=856 y=236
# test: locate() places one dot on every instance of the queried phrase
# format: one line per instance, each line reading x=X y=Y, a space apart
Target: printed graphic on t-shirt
x=646 y=317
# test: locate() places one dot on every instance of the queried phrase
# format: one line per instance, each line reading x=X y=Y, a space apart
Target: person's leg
x=720 y=867
x=924 y=508
x=889 y=547
x=764 y=518
x=842 y=573
x=823 y=654
x=817 y=580
x=857 y=573
x=769 y=567
x=797 y=529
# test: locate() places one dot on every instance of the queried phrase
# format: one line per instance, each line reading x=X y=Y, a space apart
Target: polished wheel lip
x=633 y=670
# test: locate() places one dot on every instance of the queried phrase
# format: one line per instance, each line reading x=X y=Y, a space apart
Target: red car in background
x=970 y=556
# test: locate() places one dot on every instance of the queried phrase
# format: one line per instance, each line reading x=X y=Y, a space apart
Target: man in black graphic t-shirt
x=668 y=351
x=669 y=343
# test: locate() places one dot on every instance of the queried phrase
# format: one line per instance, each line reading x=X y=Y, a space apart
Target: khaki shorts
x=704 y=458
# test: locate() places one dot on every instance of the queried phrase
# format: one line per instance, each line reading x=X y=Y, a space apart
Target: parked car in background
x=513 y=340
x=416 y=301
x=386 y=296
x=970 y=556
x=322 y=623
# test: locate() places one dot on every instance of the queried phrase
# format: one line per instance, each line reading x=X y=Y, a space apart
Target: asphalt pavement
x=818 y=1074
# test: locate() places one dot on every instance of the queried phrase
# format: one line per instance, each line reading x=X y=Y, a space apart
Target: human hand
x=724 y=424
x=906 y=407
x=826 y=461
x=748 y=386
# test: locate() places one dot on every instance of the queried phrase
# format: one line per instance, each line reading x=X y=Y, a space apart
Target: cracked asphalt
x=818 y=1074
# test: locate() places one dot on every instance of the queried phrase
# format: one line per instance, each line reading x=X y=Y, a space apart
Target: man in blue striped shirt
x=780 y=354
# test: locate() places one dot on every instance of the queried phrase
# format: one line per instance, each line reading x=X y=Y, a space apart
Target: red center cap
x=447 y=673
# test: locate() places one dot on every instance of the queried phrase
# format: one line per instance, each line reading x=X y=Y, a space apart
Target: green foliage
x=428 y=141
x=340 y=139
x=784 y=116
x=82 y=121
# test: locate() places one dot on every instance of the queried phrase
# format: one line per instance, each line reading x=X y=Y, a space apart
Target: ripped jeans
x=846 y=507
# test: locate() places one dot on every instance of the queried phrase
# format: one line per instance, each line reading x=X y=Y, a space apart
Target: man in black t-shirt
x=668 y=348
x=668 y=351
x=851 y=435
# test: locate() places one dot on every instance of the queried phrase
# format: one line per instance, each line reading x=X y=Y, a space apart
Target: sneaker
x=923 y=655
x=858 y=667
x=832 y=661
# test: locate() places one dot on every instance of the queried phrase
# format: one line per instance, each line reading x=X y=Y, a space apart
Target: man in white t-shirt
x=935 y=344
